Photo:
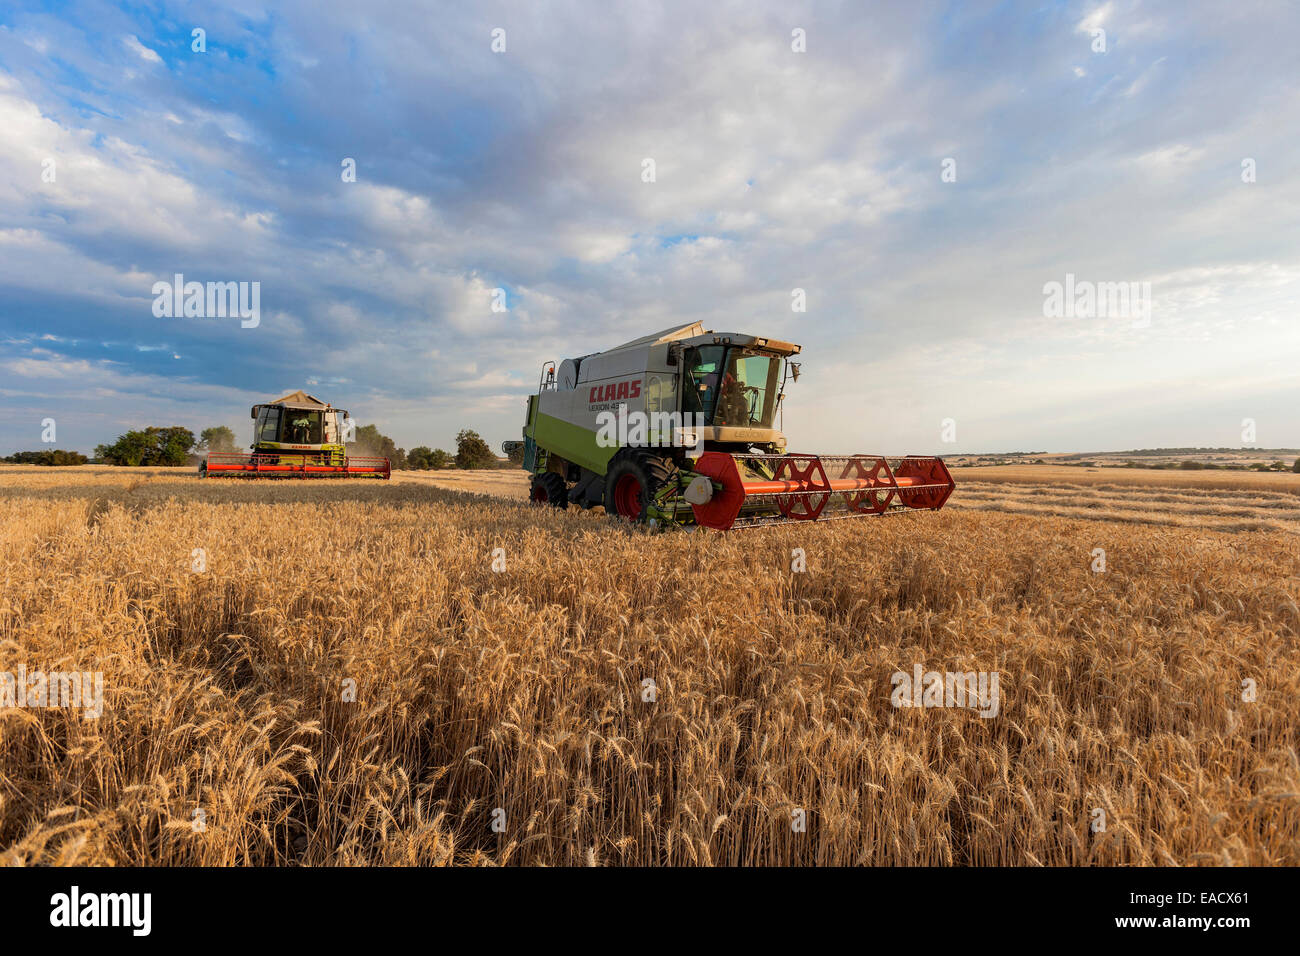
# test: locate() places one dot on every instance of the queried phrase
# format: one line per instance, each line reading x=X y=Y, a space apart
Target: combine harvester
x=296 y=436
x=677 y=428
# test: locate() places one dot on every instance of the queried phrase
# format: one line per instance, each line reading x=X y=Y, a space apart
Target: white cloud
x=1096 y=19
x=1167 y=158
x=139 y=49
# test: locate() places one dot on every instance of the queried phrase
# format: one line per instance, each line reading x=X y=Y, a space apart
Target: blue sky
x=775 y=170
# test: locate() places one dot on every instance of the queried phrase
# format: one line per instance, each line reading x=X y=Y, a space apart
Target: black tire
x=632 y=481
x=549 y=488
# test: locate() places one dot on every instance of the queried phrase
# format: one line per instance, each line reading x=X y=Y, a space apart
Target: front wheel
x=631 y=484
x=549 y=489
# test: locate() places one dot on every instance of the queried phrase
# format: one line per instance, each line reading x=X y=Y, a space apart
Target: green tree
x=171 y=447
x=129 y=449
x=419 y=458
x=56 y=457
x=153 y=446
x=218 y=438
x=1296 y=466
x=425 y=458
x=472 y=451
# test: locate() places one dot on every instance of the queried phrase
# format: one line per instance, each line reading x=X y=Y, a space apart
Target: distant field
x=1077 y=475
x=507 y=483
x=77 y=480
x=1224 y=459
x=1216 y=500
x=518 y=691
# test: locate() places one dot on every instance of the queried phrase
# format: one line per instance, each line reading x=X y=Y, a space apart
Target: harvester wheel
x=549 y=489
x=631 y=482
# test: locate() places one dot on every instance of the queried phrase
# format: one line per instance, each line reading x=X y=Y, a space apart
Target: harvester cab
x=683 y=427
x=296 y=436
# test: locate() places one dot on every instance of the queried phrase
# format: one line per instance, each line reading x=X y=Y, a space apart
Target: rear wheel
x=549 y=489
x=631 y=484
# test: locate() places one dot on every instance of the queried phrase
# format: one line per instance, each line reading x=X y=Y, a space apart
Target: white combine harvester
x=679 y=428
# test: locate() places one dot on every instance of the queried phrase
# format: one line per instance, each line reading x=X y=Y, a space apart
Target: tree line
x=471 y=452
x=174 y=445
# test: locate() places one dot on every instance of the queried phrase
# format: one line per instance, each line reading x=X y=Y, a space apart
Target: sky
x=922 y=171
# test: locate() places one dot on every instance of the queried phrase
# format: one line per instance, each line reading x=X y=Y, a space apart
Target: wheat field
x=500 y=655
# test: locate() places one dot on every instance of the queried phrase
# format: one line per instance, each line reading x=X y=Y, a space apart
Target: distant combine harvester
x=296 y=436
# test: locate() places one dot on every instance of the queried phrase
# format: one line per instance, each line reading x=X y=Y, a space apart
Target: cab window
x=302 y=427
x=730 y=386
x=703 y=376
x=748 y=394
x=268 y=424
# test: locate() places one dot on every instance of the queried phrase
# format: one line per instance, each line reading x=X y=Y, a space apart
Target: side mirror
x=794 y=370
x=253 y=412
